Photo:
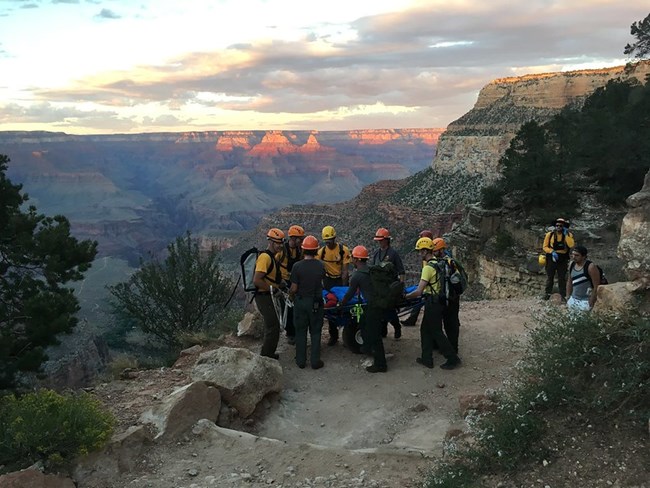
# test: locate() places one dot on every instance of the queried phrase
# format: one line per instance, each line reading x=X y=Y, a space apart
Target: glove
x=555 y=256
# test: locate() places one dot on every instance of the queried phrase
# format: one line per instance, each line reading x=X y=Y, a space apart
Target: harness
x=557 y=245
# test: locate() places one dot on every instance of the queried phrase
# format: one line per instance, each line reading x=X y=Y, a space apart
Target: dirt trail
x=341 y=426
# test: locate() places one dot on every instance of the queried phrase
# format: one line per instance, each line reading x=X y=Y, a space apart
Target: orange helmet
x=296 y=231
x=310 y=243
x=360 y=252
x=439 y=243
x=275 y=235
x=426 y=233
x=382 y=234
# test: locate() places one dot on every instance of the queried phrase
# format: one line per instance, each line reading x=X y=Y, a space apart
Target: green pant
x=431 y=331
x=305 y=318
x=264 y=304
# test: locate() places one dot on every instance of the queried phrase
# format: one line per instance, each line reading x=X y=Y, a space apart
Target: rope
x=233 y=292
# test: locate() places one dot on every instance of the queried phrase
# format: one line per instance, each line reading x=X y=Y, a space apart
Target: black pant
x=561 y=267
x=264 y=304
x=371 y=327
x=431 y=331
x=289 y=327
x=390 y=317
x=451 y=322
x=308 y=320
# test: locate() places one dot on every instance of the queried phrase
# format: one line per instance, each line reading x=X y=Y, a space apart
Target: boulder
x=622 y=296
x=183 y=408
x=251 y=325
x=33 y=478
x=243 y=378
x=635 y=234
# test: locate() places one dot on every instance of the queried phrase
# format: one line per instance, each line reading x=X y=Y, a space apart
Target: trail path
x=340 y=426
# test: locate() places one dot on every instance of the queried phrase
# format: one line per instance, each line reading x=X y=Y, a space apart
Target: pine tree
x=38 y=256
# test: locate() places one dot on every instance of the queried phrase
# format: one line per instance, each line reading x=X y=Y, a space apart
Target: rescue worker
x=431 y=285
x=268 y=279
x=385 y=253
x=290 y=254
x=307 y=293
x=336 y=259
x=450 y=318
x=370 y=320
x=412 y=319
x=557 y=244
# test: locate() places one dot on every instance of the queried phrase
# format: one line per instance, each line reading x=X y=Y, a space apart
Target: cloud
x=107 y=14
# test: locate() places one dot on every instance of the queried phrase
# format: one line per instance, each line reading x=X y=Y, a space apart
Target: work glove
x=555 y=256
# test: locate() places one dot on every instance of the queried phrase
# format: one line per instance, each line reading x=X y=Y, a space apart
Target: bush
x=583 y=362
x=49 y=427
x=492 y=197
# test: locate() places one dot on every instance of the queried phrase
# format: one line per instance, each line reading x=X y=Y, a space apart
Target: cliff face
x=213 y=183
x=475 y=142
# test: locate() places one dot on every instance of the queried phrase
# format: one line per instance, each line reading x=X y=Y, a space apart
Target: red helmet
x=360 y=252
x=296 y=231
x=439 y=243
x=310 y=243
x=426 y=233
x=382 y=234
x=275 y=235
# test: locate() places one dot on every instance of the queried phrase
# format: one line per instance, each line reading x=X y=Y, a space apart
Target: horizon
x=113 y=67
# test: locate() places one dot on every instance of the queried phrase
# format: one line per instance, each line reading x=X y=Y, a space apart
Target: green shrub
x=47 y=426
x=503 y=243
x=492 y=197
x=585 y=362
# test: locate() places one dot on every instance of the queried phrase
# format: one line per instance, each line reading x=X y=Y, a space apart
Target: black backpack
x=387 y=289
x=247 y=263
x=585 y=271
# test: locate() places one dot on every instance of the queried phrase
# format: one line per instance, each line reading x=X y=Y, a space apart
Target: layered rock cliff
x=475 y=142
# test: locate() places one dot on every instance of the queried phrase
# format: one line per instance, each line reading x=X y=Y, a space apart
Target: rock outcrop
x=475 y=142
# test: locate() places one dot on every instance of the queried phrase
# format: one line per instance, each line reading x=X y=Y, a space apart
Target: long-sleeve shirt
x=558 y=242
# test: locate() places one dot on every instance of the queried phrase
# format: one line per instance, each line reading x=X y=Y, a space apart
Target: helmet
x=542 y=259
x=328 y=232
x=382 y=234
x=296 y=231
x=360 y=252
x=439 y=243
x=426 y=233
x=560 y=220
x=310 y=243
x=275 y=235
x=424 y=243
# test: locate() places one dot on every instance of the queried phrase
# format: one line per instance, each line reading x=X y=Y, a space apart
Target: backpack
x=457 y=278
x=247 y=263
x=585 y=270
x=387 y=289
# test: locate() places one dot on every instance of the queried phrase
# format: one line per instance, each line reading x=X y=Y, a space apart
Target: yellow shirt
x=266 y=265
x=283 y=260
x=430 y=275
x=567 y=240
x=331 y=259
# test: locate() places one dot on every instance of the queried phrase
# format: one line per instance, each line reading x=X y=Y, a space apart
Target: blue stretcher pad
x=340 y=291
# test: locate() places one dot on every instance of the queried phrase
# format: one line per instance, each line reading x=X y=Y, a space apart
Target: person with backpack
x=433 y=286
x=267 y=280
x=290 y=254
x=456 y=283
x=383 y=254
x=585 y=278
x=412 y=319
x=307 y=293
x=336 y=259
x=557 y=243
x=370 y=320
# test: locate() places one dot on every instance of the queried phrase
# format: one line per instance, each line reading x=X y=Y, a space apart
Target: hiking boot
x=451 y=363
x=376 y=369
x=408 y=323
x=318 y=365
x=424 y=363
x=398 y=333
x=275 y=355
x=300 y=365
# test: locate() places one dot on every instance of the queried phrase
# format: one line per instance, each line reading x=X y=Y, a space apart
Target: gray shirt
x=308 y=274
x=360 y=280
x=581 y=283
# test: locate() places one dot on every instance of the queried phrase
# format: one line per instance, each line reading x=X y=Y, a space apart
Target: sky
x=130 y=66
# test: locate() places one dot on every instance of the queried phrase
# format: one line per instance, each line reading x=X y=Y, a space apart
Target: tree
x=186 y=292
x=640 y=30
x=37 y=257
